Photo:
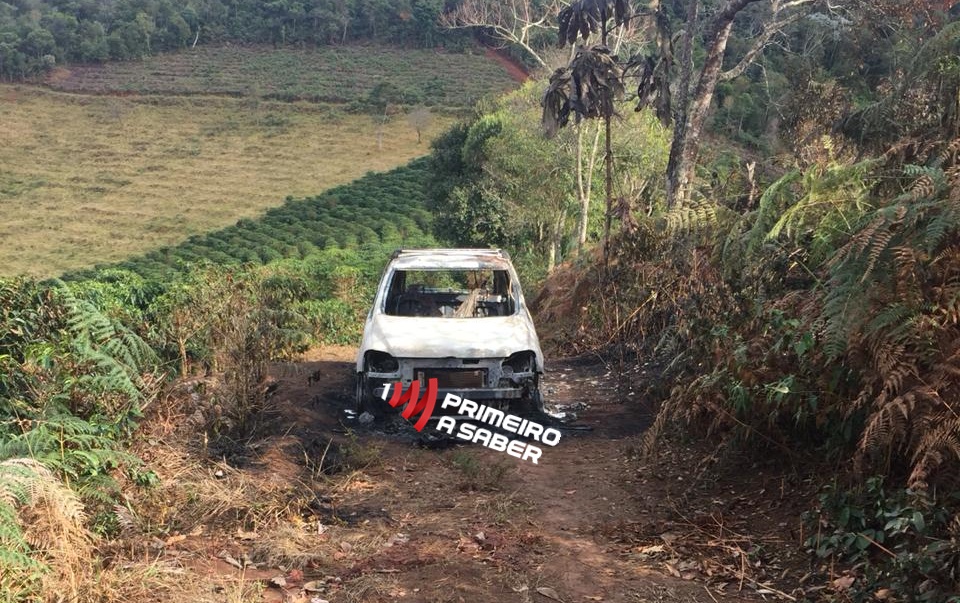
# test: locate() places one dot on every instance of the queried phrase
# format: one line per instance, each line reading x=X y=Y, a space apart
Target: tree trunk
x=681 y=106
x=608 y=161
x=693 y=109
x=556 y=242
x=182 y=348
x=585 y=185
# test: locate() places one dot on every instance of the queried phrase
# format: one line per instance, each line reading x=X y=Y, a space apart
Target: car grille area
x=454 y=378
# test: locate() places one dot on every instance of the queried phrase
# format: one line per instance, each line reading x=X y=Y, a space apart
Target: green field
x=337 y=74
x=94 y=176
x=376 y=213
x=89 y=179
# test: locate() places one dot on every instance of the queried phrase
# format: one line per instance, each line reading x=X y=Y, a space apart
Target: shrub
x=893 y=541
x=332 y=321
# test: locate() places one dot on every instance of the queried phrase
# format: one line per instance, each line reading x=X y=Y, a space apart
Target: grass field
x=88 y=179
x=374 y=215
x=328 y=74
x=112 y=161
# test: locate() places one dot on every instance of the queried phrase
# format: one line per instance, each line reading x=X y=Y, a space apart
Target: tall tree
x=590 y=85
x=688 y=105
x=521 y=23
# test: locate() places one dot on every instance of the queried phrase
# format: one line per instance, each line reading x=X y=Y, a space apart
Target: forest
x=37 y=35
x=756 y=201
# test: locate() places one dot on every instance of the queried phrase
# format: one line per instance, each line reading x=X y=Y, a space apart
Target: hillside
x=332 y=74
x=92 y=178
x=375 y=213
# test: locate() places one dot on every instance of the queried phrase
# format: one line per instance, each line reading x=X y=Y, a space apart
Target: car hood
x=429 y=337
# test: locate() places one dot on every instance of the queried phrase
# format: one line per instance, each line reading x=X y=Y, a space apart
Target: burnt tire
x=366 y=401
x=361 y=392
x=531 y=403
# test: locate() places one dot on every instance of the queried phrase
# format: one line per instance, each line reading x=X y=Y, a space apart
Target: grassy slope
x=373 y=215
x=91 y=179
x=332 y=74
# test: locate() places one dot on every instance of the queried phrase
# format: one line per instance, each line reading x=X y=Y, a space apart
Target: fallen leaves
x=685 y=570
x=397 y=539
x=549 y=593
x=314 y=586
x=467 y=545
x=229 y=559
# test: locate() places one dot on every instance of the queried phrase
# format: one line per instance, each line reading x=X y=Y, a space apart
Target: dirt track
x=457 y=523
x=557 y=526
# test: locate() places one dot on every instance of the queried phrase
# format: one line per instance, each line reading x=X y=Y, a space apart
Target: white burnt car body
x=457 y=315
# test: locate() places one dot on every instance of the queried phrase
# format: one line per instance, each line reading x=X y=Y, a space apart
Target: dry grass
x=147 y=580
x=52 y=520
x=194 y=494
x=91 y=179
x=502 y=508
x=372 y=587
x=158 y=580
x=295 y=545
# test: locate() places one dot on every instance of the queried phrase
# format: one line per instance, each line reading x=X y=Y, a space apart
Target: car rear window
x=451 y=293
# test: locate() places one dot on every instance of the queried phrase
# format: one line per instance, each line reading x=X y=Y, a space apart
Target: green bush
x=897 y=541
x=332 y=321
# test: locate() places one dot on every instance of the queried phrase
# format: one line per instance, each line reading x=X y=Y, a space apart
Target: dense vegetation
x=81 y=359
x=37 y=35
x=325 y=252
x=803 y=307
x=497 y=181
x=826 y=309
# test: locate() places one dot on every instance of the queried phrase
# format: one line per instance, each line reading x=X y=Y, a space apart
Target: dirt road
x=389 y=519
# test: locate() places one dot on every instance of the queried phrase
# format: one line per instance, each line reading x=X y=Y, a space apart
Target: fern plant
x=818 y=206
x=75 y=381
x=864 y=352
x=891 y=311
x=42 y=539
x=112 y=360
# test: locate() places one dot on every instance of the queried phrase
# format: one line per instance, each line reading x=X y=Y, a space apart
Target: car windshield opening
x=451 y=293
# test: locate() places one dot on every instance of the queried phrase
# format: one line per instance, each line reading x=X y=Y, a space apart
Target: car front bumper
x=474 y=379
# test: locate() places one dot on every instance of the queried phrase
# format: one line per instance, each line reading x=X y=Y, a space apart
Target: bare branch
x=794 y=4
x=760 y=43
x=511 y=22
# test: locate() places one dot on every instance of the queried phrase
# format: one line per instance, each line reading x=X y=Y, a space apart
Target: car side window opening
x=451 y=293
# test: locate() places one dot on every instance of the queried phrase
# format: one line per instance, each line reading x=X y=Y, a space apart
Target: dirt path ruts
x=551 y=526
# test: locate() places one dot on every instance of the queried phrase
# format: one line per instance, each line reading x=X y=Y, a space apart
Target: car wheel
x=532 y=401
x=362 y=394
x=366 y=402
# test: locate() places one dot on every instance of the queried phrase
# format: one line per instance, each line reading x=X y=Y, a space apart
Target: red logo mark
x=424 y=405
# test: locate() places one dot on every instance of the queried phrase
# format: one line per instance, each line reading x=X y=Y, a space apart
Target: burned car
x=457 y=315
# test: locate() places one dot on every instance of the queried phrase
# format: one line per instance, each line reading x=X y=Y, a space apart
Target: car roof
x=438 y=259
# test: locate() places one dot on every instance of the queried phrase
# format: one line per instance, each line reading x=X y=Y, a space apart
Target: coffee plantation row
x=379 y=210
